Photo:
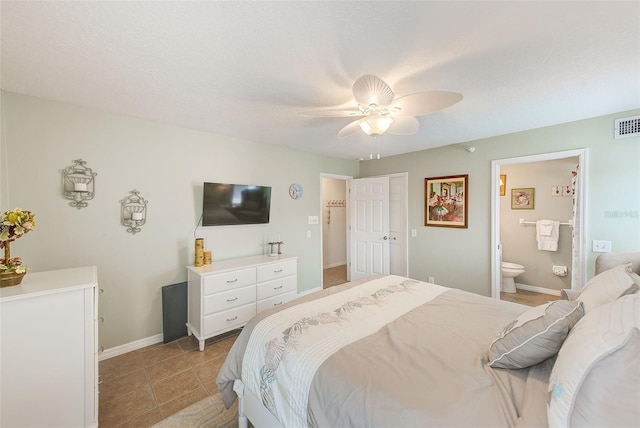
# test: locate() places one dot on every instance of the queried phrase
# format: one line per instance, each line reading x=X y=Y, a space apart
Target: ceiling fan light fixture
x=375 y=126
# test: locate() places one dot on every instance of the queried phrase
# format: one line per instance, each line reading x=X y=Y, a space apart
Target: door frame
x=580 y=254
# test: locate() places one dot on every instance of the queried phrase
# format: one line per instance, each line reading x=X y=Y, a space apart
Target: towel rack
x=523 y=223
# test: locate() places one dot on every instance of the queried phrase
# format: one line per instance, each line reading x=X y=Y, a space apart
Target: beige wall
x=461 y=258
x=168 y=166
x=519 y=243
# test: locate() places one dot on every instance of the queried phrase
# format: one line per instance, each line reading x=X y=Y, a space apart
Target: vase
x=9 y=279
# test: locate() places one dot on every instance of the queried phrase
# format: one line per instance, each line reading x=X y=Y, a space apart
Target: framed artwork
x=522 y=199
x=503 y=184
x=445 y=201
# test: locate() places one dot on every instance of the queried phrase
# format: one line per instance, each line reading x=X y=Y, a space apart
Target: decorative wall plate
x=295 y=191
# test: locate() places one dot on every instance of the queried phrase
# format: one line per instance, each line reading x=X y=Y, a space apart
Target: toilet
x=509 y=272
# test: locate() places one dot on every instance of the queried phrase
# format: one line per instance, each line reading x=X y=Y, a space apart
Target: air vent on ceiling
x=627 y=127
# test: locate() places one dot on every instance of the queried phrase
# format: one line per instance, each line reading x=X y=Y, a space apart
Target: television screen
x=231 y=204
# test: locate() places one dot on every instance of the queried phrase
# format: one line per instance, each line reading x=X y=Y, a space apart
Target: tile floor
x=143 y=387
x=529 y=298
x=334 y=276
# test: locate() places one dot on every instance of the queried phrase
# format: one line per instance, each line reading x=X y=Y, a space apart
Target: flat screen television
x=226 y=204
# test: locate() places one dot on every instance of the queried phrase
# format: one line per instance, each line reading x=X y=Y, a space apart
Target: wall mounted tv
x=232 y=204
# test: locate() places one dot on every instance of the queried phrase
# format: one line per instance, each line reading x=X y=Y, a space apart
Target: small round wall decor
x=295 y=191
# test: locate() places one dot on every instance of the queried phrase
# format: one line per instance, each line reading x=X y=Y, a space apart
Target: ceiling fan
x=379 y=111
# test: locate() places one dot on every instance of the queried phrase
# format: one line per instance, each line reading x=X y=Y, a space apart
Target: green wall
x=167 y=165
x=461 y=258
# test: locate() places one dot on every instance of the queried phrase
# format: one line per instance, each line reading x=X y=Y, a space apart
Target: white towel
x=547 y=233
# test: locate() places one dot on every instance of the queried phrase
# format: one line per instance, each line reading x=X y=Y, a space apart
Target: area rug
x=207 y=413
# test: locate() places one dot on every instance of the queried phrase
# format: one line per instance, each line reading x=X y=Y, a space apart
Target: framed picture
x=445 y=201
x=503 y=184
x=522 y=199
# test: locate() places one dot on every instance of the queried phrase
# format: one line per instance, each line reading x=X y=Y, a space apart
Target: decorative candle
x=80 y=187
x=136 y=216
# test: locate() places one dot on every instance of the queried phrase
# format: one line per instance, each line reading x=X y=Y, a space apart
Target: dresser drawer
x=274 y=301
x=228 y=299
x=229 y=280
x=228 y=320
x=277 y=270
x=277 y=286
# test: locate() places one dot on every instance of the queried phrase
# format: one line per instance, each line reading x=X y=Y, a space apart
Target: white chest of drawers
x=226 y=294
x=49 y=351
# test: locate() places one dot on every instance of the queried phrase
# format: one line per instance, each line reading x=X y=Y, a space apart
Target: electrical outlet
x=601 y=246
x=414 y=233
x=431 y=280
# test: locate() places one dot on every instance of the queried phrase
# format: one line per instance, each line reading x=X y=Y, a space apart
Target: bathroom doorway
x=514 y=237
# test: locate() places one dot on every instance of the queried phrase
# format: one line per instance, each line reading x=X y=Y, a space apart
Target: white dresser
x=226 y=294
x=49 y=351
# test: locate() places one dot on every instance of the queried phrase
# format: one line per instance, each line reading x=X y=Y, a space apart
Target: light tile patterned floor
x=143 y=387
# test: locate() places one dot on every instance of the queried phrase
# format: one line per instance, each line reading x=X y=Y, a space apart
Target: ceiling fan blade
x=333 y=113
x=370 y=89
x=402 y=125
x=425 y=102
x=350 y=129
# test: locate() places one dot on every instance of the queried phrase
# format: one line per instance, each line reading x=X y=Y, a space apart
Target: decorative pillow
x=535 y=335
x=595 y=380
x=607 y=286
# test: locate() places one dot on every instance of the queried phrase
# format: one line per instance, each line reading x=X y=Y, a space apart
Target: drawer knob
x=232 y=319
x=278 y=287
x=277 y=271
x=232 y=281
x=276 y=304
x=232 y=300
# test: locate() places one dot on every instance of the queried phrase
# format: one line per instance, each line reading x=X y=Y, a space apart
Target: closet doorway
x=572 y=235
x=334 y=191
x=335 y=246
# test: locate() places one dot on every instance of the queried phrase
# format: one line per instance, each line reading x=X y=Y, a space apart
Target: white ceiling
x=245 y=69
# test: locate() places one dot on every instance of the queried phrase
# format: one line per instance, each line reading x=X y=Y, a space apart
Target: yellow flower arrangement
x=15 y=224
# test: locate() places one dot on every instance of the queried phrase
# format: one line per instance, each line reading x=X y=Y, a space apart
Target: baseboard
x=538 y=289
x=132 y=346
x=139 y=344
x=313 y=290
x=332 y=265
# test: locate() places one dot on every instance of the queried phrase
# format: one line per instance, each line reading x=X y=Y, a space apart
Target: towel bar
x=523 y=223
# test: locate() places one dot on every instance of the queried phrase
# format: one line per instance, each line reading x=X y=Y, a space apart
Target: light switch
x=308 y=234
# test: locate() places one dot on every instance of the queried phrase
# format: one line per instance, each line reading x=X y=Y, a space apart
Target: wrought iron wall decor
x=134 y=211
x=78 y=183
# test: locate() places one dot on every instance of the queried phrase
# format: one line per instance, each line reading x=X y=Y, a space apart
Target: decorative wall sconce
x=78 y=183
x=134 y=211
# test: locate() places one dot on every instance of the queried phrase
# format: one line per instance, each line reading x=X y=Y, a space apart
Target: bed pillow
x=594 y=381
x=607 y=286
x=535 y=335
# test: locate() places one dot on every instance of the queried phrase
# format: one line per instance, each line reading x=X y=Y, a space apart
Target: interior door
x=369 y=226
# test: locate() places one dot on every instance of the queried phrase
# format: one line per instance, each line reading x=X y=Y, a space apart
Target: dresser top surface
x=54 y=281
x=239 y=263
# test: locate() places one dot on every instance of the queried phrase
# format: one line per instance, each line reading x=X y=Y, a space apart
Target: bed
x=390 y=351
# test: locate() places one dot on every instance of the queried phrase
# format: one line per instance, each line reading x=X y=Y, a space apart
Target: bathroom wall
x=519 y=243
